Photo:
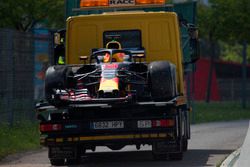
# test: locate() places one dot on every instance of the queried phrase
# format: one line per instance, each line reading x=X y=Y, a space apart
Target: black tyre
x=175 y=156
x=115 y=146
x=74 y=161
x=158 y=152
x=160 y=157
x=56 y=78
x=57 y=162
x=184 y=144
x=162 y=76
x=186 y=131
x=77 y=160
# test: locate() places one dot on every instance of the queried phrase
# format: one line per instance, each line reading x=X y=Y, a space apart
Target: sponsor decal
x=110 y=66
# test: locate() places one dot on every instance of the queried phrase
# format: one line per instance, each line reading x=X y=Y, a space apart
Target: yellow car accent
x=108 y=85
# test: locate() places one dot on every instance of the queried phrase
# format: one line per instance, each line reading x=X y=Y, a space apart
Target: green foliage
x=21 y=137
x=219 y=111
x=231 y=52
x=225 y=20
x=205 y=22
x=23 y=15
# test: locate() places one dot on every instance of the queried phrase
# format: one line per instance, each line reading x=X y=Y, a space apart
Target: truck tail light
x=163 y=123
x=50 y=127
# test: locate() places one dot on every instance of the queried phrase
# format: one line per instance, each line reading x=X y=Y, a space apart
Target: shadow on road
x=145 y=159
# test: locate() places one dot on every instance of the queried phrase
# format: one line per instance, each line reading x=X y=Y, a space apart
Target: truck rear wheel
x=175 y=156
x=56 y=78
x=74 y=161
x=162 y=76
x=77 y=159
x=57 y=162
x=185 y=144
x=159 y=156
x=158 y=152
x=115 y=146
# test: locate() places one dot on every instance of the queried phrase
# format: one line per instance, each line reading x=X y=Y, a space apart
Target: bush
x=20 y=137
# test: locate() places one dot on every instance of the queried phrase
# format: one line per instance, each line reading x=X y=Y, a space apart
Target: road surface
x=209 y=146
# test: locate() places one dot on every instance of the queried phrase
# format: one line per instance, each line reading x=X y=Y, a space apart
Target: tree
x=24 y=15
x=229 y=21
x=208 y=27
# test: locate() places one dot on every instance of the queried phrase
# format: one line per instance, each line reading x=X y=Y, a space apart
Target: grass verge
x=219 y=111
x=21 y=137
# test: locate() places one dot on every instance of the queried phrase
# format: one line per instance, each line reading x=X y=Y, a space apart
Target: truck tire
x=160 y=157
x=162 y=76
x=116 y=146
x=79 y=152
x=55 y=78
x=74 y=161
x=57 y=162
x=158 y=153
x=186 y=131
x=175 y=156
x=184 y=144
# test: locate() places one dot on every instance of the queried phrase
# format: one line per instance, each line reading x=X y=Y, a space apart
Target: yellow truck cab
x=137 y=100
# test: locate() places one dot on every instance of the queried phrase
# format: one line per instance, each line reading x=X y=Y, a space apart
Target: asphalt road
x=209 y=146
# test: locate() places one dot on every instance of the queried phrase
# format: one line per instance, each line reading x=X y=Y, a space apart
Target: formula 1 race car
x=113 y=76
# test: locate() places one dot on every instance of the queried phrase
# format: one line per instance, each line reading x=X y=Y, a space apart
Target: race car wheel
x=162 y=78
x=55 y=78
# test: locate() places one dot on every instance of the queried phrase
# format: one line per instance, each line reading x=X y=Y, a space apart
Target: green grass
x=21 y=137
x=219 y=111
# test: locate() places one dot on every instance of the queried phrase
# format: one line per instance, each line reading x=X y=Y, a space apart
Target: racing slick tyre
x=162 y=76
x=57 y=162
x=56 y=77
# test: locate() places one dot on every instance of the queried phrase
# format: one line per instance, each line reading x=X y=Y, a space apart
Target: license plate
x=108 y=125
x=144 y=124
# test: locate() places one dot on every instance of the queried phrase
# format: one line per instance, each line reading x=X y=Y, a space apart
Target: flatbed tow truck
x=134 y=101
